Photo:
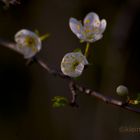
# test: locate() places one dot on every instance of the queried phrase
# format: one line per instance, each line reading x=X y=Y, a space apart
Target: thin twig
x=106 y=99
x=73 y=85
x=90 y=92
x=9 y=45
x=51 y=71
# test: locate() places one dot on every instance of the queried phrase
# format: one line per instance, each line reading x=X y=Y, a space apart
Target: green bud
x=122 y=90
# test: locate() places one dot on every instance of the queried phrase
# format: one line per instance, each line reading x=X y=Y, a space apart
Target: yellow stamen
x=30 y=42
x=87 y=21
x=78 y=27
x=75 y=64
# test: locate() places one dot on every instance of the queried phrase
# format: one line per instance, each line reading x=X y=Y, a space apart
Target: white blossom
x=91 y=30
x=73 y=64
x=28 y=43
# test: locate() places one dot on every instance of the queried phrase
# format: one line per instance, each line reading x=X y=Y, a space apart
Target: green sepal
x=77 y=50
x=37 y=32
x=43 y=37
x=81 y=41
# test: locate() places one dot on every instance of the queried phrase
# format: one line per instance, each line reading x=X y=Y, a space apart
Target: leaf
x=59 y=101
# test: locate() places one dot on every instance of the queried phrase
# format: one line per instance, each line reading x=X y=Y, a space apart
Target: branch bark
x=74 y=87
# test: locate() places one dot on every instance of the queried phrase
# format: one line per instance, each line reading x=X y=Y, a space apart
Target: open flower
x=91 y=30
x=73 y=64
x=28 y=43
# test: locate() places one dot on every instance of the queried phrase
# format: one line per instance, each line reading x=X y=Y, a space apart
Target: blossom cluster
x=29 y=43
x=73 y=63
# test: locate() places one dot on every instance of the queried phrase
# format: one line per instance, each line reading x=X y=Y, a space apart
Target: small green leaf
x=134 y=102
x=59 y=101
x=77 y=50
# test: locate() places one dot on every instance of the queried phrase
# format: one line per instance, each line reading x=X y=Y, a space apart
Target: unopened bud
x=122 y=90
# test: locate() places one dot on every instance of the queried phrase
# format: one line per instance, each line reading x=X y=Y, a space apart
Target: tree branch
x=74 y=87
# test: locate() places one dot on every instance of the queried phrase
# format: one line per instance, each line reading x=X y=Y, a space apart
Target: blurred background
x=26 y=111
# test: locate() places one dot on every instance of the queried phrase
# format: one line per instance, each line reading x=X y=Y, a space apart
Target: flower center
x=87 y=21
x=30 y=42
x=75 y=64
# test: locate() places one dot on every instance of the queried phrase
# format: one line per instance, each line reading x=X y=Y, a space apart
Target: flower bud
x=122 y=90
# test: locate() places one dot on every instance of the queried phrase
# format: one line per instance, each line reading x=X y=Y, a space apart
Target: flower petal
x=98 y=37
x=79 y=69
x=76 y=28
x=95 y=38
x=102 y=26
x=90 y=19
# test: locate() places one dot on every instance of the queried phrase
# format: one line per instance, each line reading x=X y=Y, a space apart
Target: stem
x=87 y=49
x=75 y=86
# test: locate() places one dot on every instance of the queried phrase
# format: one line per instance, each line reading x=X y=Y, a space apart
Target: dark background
x=26 y=111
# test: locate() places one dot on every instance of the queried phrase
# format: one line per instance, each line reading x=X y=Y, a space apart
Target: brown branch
x=51 y=71
x=74 y=87
x=106 y=99
x=9 y=45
